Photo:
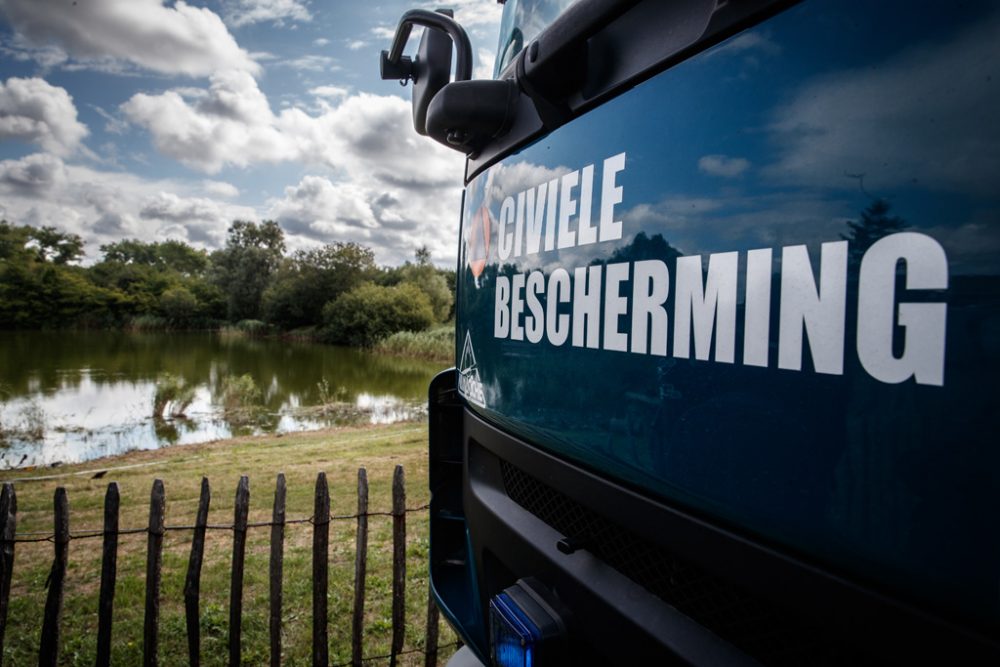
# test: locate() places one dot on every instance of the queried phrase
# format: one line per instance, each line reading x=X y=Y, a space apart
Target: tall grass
x=31 y=425
x=247 y=329
x=147 y=323
x=242 y=399
x=172 y=397
x=437 y=344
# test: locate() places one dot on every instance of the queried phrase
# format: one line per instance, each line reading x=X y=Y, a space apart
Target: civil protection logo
x=477 y=240
x=470 y=385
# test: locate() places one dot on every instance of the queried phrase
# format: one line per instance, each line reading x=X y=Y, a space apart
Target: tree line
x=335 y=292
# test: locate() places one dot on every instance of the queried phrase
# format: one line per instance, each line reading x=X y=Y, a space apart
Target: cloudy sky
x=159 y=119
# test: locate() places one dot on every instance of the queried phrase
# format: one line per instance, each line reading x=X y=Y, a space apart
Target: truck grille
x=763 y=631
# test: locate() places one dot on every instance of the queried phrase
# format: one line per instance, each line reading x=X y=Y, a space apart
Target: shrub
x=240 y=393
x=369 y=313
x=179 y=306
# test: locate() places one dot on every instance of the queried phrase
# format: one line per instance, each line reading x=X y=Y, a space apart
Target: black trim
x=510 y=542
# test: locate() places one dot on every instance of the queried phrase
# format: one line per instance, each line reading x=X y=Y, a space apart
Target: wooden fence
x=48 y=654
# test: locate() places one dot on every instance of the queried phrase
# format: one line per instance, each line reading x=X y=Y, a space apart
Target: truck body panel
x=754 y=300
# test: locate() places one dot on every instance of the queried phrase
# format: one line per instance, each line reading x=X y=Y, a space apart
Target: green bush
x=179 y=306
x=369 y=313
x=239 y=392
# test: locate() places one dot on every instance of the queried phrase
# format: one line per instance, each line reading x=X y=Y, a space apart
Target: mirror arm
x=397 y=66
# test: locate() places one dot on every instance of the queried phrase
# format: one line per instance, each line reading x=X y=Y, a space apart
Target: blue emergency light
x=525 y=629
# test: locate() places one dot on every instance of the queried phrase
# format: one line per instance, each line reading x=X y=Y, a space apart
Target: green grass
x=301 y=456
x=437 y=344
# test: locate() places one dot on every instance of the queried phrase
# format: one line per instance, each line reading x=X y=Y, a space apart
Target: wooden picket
x=49 y=644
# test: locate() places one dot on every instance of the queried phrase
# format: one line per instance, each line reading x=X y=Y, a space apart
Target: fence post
x=236 y=583
x=154 y=562
x=48 y=652
x=277 y=567
x=109 y=570
x=321 y=541
x=431 y=639
x=398 y=563
x=360 y=567
x=8 y=529
x=192 y=584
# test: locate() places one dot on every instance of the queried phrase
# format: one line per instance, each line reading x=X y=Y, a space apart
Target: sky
x=162 y=119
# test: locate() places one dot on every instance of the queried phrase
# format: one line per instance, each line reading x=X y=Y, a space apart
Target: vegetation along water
x=73 y=396
x=143 y=344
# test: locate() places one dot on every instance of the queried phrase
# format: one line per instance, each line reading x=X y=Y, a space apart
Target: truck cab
x=728 y=333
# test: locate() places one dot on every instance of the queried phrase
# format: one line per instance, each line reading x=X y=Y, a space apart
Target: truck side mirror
x=463 y=115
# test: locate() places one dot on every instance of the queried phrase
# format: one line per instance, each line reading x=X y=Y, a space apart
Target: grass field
x=300 y=456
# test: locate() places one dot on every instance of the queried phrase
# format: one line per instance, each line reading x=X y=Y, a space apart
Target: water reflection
x=71 y=397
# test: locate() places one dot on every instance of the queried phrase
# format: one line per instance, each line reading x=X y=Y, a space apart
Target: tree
x=436 y=283
x=180 y=257
x=130 y=251
x=430 y=281
x=13 y=243
x=179 y=306
x=368 y=313
x=243 y=269
x=169 y=255
x=309 y=279
x=423 y=256
x=875 y=223
x=55 y=246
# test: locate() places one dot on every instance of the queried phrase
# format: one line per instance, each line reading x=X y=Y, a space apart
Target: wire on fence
x=87 y=534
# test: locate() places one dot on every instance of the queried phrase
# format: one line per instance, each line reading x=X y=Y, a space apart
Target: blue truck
x=728 y=332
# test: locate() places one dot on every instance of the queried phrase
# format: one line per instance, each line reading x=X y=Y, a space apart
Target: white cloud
x=382 y=184
x=884 y=120
x=508 y=179
x=723 y=165
x=176 y=39
x=391 y=221
x=484 y=64
x=480 y=18
x=247 y=12
x=105 y=205
x=20 y=49
x=33 y=174
x=312 y=63
x=330 y=92
x=356 y=44
x=35 y=111
x=233 y=125
x=220 y=189
x=173 y=208
x=114 y=124
x=321 y=41
x=320 y=209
